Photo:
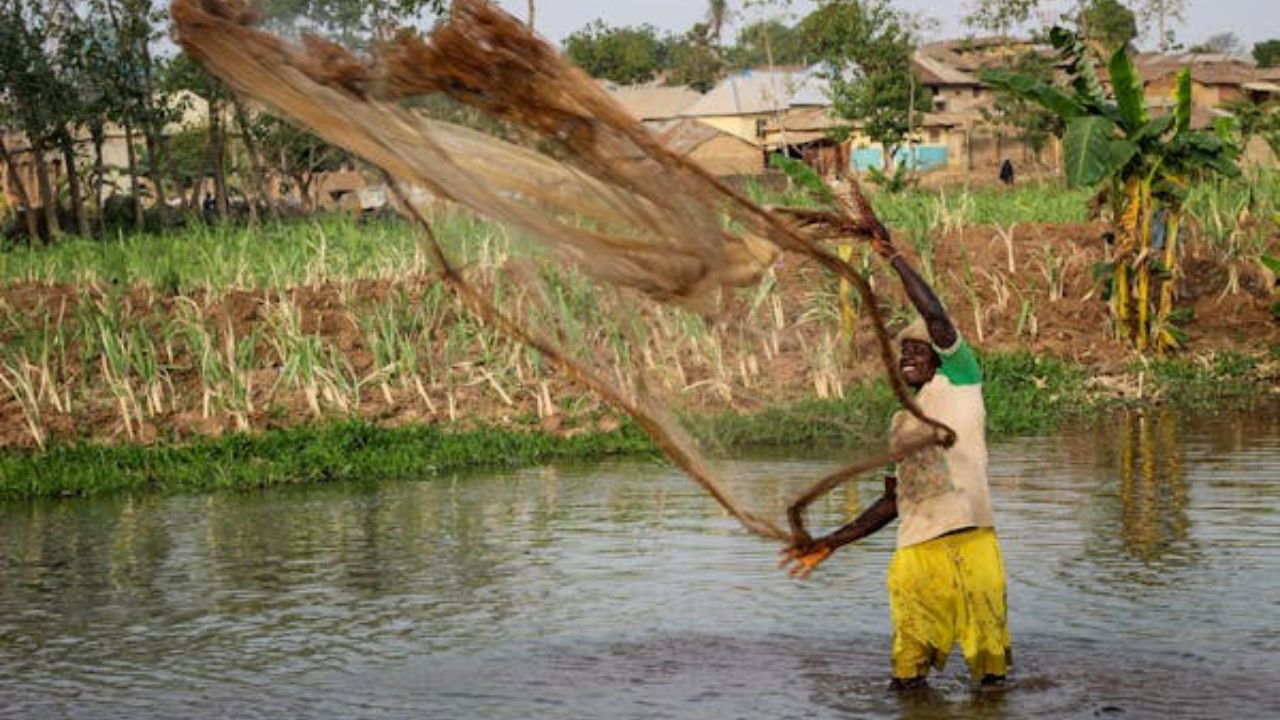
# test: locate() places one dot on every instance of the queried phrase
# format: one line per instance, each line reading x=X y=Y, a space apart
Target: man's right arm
x=801 y=561
x=882 y=512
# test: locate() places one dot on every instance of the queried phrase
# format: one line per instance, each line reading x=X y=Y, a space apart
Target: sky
x=1251 y=20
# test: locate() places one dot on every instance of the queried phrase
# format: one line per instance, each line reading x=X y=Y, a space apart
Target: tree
x=625 y=55
x=1032 y=124
x=37 y=97
x=1146 y=165
x=1000 y=16
x=769 y=42
x=1261 y=120
x=717 y=14
x=139 y=103
x=1158 y=15
x=1267 y=53
x=350 y=22
x=298 y=154
x=184 y=73
x=1108 y=25
x=866 y=48
x=1227 y=43
x=693 y=59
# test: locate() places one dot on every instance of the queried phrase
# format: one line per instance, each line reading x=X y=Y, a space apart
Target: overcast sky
x=1251 y=20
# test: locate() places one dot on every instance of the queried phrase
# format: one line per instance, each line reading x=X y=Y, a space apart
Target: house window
x=977 y=91
x=761 y=125
x=939 y=104
x=934 y=135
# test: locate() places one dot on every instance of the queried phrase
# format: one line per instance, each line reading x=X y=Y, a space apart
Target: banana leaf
x=1182 y=110
x=1091 y=151
x=803 y=177
x=1127 y=87
x=1037 y=91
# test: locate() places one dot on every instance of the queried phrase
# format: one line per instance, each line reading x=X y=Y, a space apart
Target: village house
x=658 y=107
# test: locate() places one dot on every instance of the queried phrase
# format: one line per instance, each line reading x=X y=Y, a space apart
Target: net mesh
x=584 y=179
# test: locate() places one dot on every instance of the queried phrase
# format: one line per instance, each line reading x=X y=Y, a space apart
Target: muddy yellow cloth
x=948 y=591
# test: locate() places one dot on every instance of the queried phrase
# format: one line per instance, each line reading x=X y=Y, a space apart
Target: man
x=946 y=580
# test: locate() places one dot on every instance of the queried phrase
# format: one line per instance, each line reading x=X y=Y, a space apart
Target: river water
x=1144 y=581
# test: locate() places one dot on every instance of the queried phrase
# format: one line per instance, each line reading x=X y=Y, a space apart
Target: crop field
x=147 y=339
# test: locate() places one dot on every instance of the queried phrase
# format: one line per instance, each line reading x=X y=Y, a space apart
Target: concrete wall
x=729 y=156
x=742 y=126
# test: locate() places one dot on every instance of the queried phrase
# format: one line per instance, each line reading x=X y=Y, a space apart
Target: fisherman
x=946 y=580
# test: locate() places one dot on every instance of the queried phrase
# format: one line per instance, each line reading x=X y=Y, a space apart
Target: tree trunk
x=73 y=182
x=255 y=163
x=20 y=185
x=134 y=189
x=217 y=152
x=48 y=197
x=99 y=172
x=155 y=153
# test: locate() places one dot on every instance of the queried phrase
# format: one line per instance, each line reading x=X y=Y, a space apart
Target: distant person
x=208 y=205
x=946 y=580
x=1006 y=172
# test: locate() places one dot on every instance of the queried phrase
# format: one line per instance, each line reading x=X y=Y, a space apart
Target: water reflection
x=1144 y=560
x=1150 y=496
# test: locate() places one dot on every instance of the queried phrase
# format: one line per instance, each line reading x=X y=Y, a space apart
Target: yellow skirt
x=946 y=591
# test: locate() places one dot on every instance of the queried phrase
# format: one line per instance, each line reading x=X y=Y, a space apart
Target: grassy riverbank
x=1025 y=395
x=328 y=349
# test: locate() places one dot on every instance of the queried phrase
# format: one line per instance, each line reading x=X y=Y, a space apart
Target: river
x=1143 y=554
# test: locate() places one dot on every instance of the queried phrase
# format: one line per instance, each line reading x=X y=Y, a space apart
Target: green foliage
x=892 y=182
x=350 y=22
x=625 y=55
x=866 y=48
x=1108 y=140
x=1000 y=16
x=693 y=59
x=1033 y=122
x=803 y=178
x=1267 y=53
x=1227 y=43
x=344 y=451
x=1109 y=25
x=769 y=42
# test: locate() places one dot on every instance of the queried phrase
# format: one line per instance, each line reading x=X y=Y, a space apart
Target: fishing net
x=574 y=172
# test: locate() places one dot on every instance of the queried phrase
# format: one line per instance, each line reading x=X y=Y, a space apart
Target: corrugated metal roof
x=801 y=119
x=1266 y=87
x=758 y=92
x=1205 y=69
x=655 y=102
x=936 y=72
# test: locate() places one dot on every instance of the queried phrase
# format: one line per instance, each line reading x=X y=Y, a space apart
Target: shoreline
x=1025 y=394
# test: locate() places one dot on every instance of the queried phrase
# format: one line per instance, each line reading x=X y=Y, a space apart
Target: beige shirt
x=943 y=490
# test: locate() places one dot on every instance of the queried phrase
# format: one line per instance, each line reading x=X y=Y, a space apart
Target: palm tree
x=717 y=13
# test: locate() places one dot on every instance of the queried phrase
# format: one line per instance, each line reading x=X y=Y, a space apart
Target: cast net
x=591 y=187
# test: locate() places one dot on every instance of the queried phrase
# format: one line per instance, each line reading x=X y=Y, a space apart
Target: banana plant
x=1143 y=164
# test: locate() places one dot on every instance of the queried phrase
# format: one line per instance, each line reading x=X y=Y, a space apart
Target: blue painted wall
x=924 y=157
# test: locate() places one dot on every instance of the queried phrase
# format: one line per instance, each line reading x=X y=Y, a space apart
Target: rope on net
x=587 y=180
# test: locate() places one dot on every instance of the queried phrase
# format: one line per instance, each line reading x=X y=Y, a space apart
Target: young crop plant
x=1143 y=165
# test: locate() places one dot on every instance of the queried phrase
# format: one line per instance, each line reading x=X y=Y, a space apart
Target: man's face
x=918 y=363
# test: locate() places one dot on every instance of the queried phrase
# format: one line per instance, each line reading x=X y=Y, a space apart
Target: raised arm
x=800 y=561
x=941 y=330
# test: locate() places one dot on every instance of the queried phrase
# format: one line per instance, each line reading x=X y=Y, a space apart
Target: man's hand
x=799 y=562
